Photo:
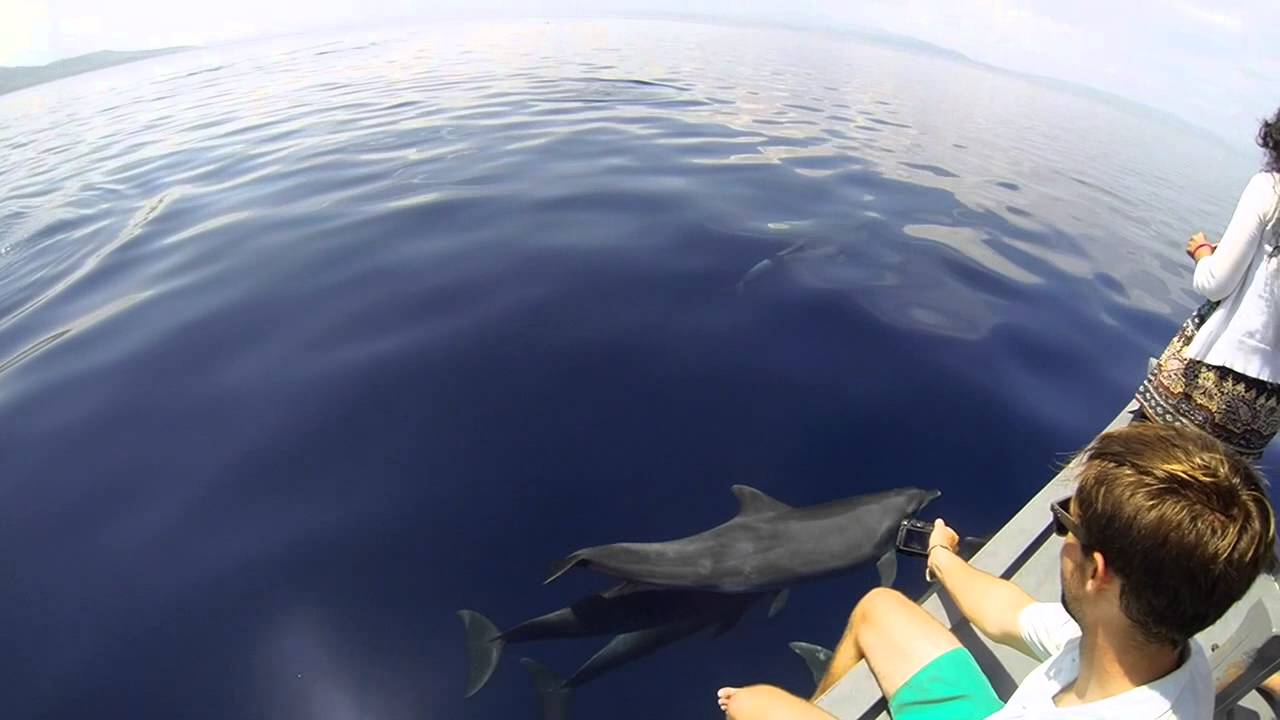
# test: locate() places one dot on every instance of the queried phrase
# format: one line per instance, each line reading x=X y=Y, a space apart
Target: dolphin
x=790 y=257
x=628 y=610
x=767 y=264
x=768 y=545
x=554 y=691
x=642 y=643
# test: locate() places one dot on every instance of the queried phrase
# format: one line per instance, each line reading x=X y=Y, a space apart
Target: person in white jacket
x=1221 y=372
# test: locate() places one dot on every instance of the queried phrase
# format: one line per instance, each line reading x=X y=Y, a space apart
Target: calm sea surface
x=306 y=344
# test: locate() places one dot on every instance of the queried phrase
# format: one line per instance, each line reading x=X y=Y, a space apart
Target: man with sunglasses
x=1167 y=529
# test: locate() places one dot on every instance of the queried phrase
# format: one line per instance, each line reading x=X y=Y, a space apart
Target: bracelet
x=1196 y=249
x=928 y=571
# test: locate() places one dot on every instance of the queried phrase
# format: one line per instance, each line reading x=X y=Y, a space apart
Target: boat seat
x=1250 y=653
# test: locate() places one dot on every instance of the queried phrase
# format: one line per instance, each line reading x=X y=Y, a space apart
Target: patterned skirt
x=1242 y=412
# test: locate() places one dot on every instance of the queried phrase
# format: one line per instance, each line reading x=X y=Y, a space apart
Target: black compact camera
x=913 y=537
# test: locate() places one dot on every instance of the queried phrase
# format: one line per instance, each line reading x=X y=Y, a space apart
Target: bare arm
x=1219 y=273
x=991 y=604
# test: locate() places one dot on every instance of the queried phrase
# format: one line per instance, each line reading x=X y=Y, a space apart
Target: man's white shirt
x=1051 y=634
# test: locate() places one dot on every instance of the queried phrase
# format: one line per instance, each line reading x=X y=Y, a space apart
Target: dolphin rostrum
x=768 y=545
x=643 y=618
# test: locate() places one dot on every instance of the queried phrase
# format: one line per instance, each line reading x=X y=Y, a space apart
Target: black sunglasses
x=1063 y=523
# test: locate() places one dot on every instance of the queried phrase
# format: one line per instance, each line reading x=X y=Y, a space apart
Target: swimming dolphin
x=768 y=545
x=634 y=645
x=554 y=691
x=627 y=610
x=793 y=256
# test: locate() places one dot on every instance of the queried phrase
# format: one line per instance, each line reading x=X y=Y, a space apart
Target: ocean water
x=306 y=344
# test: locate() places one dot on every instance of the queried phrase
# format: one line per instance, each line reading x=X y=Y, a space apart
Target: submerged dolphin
x=554 y=691
x=767 y=545
x=643 y=618
x=790 y=257
x=634 y=645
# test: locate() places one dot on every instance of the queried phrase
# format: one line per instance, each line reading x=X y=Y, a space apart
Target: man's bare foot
x=723 y=695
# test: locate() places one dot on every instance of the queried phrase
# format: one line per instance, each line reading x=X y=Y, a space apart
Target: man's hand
x=945 y=536
x=941 y=536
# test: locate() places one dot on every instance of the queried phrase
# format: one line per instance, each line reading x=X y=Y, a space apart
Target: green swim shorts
x=951 y=687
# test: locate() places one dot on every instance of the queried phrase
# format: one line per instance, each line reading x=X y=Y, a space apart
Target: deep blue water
x=306 y=344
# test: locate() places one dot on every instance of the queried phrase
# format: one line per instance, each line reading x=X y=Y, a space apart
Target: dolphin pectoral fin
x=484 y=649
x=969 y=546
x=887 y=566
x=779 y=601
x=798 y=245
x=816 y=657
x=552 y=693
x=563 y=566
x=753 y=502
x=756 y=271
x=627 y=587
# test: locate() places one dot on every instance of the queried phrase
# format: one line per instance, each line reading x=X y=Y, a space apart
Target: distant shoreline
x=17 y=78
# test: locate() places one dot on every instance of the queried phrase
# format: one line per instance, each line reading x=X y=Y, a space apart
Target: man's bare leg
x=847 y=654
x=895 y=635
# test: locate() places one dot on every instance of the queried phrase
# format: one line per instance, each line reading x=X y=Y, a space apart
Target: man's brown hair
x=1183 y=521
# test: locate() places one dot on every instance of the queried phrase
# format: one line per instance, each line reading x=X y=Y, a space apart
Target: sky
x=1215 y=63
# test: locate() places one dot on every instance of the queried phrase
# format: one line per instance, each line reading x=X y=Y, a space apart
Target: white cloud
x=1221 y=20
x=24 y=31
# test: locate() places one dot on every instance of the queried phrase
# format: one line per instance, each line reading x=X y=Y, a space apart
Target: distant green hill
x=16 y=78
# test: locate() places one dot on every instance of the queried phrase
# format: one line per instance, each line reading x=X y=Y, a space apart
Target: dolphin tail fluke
x=887 y=566
x=816 y=657
x=563 y=566
x=484 y=649
x=552 y=693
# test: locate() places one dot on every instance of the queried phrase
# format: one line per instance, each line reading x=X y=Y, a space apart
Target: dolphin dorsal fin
x=753 y=502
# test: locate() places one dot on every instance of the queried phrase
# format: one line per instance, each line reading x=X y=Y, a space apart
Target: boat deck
x=1243 y=647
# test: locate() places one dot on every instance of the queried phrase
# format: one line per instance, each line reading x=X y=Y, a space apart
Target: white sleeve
x=1218 y=275
x=1046 y=628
